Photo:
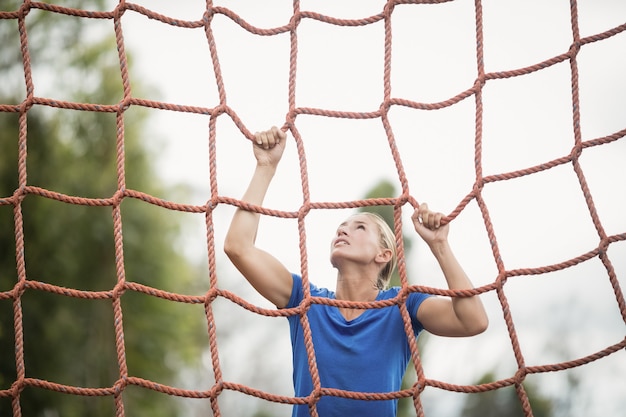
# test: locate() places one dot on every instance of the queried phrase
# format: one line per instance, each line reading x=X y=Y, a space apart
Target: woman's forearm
x=469 y=310
x=244 y=226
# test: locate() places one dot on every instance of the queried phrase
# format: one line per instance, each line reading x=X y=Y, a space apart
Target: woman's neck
x=356 y=286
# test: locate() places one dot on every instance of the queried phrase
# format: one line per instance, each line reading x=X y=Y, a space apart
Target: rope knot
x=118 y=196
x=118 y=290
x=120 y=385
x=211 y=295
x=207 y=16
x=603 y=247
x=17 y=387
x=577 y=150
x=27 y=104
x=24 y=10
x=479 y=83
x=520 y=375
x=124 y=104
x=18 y=195
x=119 y=10
x=574 y=49
x=211 y=204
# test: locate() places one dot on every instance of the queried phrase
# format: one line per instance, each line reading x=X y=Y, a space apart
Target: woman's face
x=357 y=240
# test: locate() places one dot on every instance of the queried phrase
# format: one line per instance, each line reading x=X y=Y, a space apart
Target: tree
x=504 y=402
x=71 y=340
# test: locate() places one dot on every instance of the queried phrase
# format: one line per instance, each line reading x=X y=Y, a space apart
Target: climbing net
x=473 y=92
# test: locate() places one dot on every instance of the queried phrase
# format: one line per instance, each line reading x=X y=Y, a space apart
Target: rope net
x=222 y=110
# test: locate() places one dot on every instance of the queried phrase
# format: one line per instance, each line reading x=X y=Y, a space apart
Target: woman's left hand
x=428 y=225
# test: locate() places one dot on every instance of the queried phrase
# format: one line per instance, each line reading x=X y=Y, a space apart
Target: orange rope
x=404 y=198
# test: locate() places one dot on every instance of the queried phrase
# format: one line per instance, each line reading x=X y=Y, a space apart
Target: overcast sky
x=538 y=220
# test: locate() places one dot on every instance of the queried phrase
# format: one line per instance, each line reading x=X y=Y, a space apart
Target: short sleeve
x=296 y=291
x=413 y=303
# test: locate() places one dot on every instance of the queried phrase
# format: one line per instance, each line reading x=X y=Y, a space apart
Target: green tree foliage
x=71 y=340
x=504 y=402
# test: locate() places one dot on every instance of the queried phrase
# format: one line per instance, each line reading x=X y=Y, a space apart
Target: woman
x=355 y=350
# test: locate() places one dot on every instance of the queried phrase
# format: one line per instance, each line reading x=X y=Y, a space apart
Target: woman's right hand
x=269 y=146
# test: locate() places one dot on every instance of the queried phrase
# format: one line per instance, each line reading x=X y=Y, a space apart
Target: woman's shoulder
x=388 y=293
x=314 y=289
x=394 y=291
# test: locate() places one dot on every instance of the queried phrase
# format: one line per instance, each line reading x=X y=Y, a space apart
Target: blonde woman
x=355 y=350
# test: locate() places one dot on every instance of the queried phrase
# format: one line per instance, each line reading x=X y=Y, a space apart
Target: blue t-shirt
x=367 y=354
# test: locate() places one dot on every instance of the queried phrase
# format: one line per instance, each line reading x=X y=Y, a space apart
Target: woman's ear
x=384 y=255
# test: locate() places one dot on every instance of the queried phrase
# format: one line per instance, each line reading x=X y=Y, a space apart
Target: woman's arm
x=445 y=316
x=264 y=272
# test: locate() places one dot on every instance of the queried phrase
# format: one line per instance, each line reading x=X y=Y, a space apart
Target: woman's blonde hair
x=387 y=241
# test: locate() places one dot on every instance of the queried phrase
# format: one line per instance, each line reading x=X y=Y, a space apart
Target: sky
x=538 y=220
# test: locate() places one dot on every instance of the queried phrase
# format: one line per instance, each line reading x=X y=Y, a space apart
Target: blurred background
x=538 y=220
